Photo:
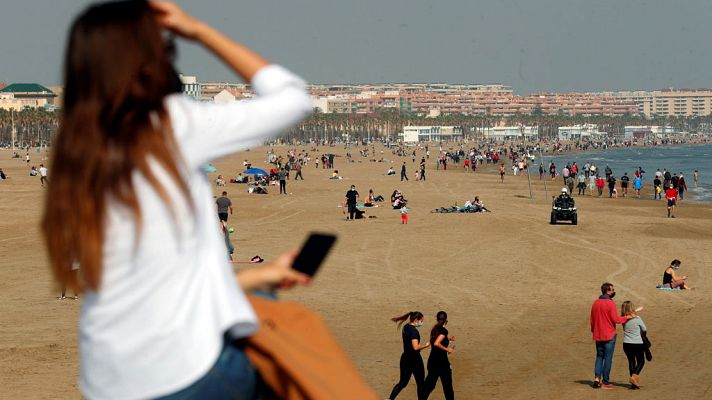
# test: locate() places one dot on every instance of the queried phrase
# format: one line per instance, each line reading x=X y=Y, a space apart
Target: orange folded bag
x=298 y=357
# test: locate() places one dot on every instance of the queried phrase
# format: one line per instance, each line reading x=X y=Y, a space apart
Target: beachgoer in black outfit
x=351 y=197
x=403 y=175
x=411 y=363
x=438 y=363
x=611 y=185
x=282 y=176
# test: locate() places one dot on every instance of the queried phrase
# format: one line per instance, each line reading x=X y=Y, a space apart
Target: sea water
x=676 y=159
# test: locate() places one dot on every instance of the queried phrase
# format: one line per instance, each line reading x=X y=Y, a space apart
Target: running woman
x=438 y=363
x=411 y=363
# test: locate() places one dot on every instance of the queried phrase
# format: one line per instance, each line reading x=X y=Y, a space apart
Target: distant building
x=412 y=134
x=191 y=87
x=581 y=132
x=670 y=102
x=647 y=132
x=20 y=95
x=502 y=133
x=224 y=96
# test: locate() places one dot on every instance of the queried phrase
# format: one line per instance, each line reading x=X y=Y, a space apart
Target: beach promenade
x=517 y=290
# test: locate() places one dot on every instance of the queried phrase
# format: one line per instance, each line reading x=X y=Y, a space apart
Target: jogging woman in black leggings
x=411 y=363
x=438 y=363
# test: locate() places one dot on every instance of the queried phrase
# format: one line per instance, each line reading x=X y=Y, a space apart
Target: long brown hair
x=117 y=72
x=410 y=316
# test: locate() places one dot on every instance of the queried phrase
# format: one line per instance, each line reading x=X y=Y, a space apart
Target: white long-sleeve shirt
x=156 y=323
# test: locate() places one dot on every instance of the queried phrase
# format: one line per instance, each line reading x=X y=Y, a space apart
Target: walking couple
x=604 y=318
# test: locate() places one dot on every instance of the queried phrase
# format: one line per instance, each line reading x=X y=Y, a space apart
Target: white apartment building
x=412 y=134
x=505 y=133
x=578 y=132
x=191 y=86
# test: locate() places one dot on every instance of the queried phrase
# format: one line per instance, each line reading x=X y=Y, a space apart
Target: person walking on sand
x=633 y=345
x=164 y=314
x=592 y=183
x=681 y=186
x=411 y=362
x=298 y=167
x=282 y=176
x=603 y=320
x=438 y=363
x=501 y=173
x=224 y=205
x=403 y=175
x=404 y=215
x=671 y=197
x=638 y=185
x=43 y=175
x=600 y=184
x=624 y=184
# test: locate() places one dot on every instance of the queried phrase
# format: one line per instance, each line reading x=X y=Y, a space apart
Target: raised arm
x=242 y=60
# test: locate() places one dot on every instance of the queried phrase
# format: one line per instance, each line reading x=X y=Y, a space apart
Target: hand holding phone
x=313 y=253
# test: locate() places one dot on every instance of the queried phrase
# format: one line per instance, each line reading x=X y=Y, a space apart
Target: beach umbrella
x=255 y=171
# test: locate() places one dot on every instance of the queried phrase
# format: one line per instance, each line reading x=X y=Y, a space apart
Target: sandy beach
x=517 y=290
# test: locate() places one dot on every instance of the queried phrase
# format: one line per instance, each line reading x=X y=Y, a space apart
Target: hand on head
x=171 y=17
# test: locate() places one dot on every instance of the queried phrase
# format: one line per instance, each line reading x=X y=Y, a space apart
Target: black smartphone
x=313 y=253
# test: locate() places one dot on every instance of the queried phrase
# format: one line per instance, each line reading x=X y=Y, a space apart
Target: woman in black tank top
x=411 y=363
x=438 y=362
x=670 y=278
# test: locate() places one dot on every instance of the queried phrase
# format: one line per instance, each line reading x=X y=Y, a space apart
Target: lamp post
x=13 y=132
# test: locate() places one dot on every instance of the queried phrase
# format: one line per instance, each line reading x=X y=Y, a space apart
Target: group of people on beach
x=670 y=185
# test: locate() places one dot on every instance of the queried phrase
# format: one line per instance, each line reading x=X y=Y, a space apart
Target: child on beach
x=404 y=215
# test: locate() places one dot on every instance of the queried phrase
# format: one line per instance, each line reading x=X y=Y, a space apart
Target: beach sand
x=517 y=290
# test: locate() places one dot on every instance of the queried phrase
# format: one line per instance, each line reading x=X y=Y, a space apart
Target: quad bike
x=563 y=209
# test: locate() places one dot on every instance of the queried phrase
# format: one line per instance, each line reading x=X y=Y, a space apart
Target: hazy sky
x=532 y=45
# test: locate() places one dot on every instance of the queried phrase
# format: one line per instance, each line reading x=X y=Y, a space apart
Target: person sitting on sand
x=479 y=205
x=398 y=199
x=240 y=178
x=390 y=171
x=219 y=181
x=335 y=175
x=671 y=279
x=372 y=199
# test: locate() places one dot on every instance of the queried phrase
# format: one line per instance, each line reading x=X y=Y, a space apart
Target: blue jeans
x=232 y=377
x=604 y=359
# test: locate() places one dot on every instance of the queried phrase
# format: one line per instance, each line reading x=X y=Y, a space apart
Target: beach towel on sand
x=661 y=287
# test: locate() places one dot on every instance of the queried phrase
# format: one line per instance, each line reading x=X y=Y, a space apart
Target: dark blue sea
x=676 y=159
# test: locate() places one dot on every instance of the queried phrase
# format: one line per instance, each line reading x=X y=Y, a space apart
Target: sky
x=531 y=45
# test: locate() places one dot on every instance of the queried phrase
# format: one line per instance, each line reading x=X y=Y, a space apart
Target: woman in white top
x=162 y=309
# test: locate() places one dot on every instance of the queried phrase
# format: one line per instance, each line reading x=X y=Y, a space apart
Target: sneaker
x=596 y=383
x=607 y=386
x=256 y=259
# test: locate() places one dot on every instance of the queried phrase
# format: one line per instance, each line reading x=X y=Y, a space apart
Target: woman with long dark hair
x=438 y=363
x=163 y=311
x=411 y=363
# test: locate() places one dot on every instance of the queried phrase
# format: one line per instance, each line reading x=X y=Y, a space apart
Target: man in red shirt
x=604 y=318
x=671 y=196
